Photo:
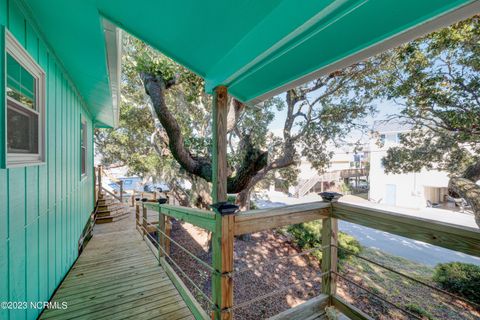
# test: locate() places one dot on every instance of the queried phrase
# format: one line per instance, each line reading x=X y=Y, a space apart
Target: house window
x=83 y=147
x=25 y=106
x=382 y=139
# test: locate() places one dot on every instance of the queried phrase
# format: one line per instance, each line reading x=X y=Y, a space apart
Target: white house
x=408 y=190
x=344 y=163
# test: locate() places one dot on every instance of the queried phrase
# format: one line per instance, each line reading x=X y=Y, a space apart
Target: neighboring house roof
x=256 y=48
x=391 y=126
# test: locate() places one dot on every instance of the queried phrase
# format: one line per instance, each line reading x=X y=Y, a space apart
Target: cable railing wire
x=209 y=267
x=305 y=252
x=407 y=276
x=376 y=295
x=259 y=266
x=205 y=296
x=270 y=294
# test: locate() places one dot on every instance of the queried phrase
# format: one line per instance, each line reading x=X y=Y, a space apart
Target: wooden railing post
x=120 y=183
x=144 y=220
x=168 y=232
x=100 y=182
x=222 y=248
x=329 y=255
x=222 y=237
x=95 y=191
x=137 y=216
x=161 y=236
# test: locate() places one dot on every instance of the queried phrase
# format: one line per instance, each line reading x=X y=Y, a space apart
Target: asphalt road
x=413 y=250
x=410 y=249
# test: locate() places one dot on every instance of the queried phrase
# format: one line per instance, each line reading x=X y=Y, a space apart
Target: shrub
x=307 y=235
x=459 y=278
x=349 y=243
x=418 y=310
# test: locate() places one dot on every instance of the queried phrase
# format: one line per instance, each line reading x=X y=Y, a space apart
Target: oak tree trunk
x=467 y=188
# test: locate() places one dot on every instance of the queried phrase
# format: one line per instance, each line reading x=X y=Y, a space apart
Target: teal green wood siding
x=43 y=208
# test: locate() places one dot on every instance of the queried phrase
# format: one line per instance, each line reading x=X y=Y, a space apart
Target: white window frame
x=16 y=50
x=83 y=144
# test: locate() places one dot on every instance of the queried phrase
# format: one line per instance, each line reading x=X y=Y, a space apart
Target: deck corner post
x=222 y=237
x=161 y=232
x=329 y=255
x=144 y=221
x=137 y=215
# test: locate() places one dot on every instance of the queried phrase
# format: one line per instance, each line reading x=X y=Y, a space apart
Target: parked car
x=158 y=187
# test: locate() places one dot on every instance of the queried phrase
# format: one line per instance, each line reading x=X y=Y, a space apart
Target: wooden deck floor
x=118 y=277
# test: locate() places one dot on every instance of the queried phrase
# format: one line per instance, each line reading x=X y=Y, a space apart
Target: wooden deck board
x=118 y=277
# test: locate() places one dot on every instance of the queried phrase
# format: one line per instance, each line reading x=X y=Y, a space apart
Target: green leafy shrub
x=418 y=310
x=349 y=244
x=459 y=278
x=308 y=235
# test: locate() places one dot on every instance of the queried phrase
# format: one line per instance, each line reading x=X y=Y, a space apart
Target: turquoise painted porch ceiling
x=257 y=48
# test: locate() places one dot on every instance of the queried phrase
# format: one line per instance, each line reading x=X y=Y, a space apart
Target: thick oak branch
x=254 y=159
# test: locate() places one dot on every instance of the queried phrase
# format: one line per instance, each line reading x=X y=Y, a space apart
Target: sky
x=385 y=108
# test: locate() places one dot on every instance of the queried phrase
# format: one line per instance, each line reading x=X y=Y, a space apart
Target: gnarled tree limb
x=467 y=188
x=254 y=159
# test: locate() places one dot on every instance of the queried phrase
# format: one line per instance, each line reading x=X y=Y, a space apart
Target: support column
x=222 y=238
x=219 y=144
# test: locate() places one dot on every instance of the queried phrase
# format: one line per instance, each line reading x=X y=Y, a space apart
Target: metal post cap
x=225 y=208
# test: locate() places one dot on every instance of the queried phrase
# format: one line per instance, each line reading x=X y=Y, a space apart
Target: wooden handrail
x=265 y=219
x=309 y=308
x=446 y=235
x=348 y=309
x=111 y=193
x=200 y=218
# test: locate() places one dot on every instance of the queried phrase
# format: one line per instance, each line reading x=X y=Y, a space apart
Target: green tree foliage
x=459 y=278
x=437 y=81
x=166 y=114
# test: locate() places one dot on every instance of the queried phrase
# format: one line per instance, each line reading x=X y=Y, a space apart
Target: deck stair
x=110 y=209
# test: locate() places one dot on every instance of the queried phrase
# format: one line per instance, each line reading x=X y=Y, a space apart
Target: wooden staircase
x=110 y=209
